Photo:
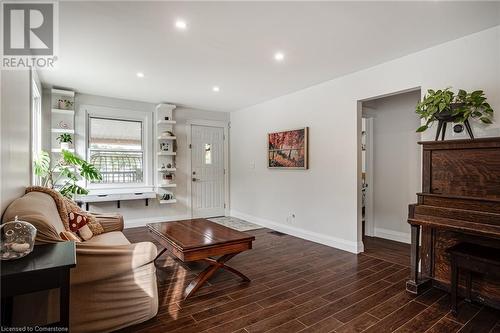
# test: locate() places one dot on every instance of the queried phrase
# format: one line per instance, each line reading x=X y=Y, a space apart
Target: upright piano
x=460 y=201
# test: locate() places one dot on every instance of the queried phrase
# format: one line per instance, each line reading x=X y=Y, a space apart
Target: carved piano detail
x=460 y=201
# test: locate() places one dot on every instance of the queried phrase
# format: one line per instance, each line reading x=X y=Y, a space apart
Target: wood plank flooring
x=301 y=286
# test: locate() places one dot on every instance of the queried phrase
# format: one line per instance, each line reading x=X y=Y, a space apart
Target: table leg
x=454 y=286
x=159 y=254
x=64 y=299
x=6 y=318
x=214 y=266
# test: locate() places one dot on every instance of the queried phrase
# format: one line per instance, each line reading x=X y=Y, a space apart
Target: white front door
x=207 y=171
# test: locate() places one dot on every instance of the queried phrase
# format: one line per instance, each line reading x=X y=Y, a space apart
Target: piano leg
x=416 y=284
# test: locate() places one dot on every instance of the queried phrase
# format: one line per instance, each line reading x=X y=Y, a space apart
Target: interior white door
x=207 y=171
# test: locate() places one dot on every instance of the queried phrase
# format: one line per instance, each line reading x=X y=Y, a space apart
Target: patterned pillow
x=78 y=223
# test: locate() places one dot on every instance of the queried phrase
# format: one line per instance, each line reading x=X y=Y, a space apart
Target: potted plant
x=68 y=105
x=65 y=173
x=64 y=139
x=445 y=106
x=64 y=104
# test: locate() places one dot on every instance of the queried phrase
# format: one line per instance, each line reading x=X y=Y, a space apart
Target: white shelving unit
x=167 y=170
x=165 y=153
x=163 y=121
x=62 y=130
x=58 y=150
x=171 y=201
x=62 y=120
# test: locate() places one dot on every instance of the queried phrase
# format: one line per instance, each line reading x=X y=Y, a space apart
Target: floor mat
x=235 y=223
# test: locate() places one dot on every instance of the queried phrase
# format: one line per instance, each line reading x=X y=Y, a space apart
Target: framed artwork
x=288 y=149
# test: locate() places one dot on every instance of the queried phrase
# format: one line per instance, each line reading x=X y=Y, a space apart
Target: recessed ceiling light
x=215 y=88
x=140 y=74
x=279 y=56
x=181 y=24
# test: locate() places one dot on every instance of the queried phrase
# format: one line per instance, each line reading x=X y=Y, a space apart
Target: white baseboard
x=353 y=247
x=398 y=236
x=132 y=223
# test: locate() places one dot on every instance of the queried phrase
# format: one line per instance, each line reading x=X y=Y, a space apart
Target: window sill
x=108 y=190
x=122 y=196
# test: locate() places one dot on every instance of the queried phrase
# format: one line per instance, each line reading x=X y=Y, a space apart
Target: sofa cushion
x=109 y=238
x=69 y=236
x=40 y=210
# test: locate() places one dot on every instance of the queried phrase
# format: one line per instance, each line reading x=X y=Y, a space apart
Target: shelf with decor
x=167 y=122
x=58 y=150
x=63 y=111
x=167 y=169
x=167 y=201
x=62 y=119
x=63 y=130
x=165 y=154
x=167 y=185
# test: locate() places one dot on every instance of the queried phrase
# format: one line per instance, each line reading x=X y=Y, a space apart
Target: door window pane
x=208 y=153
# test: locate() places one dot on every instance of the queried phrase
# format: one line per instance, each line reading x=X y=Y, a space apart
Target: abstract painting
x=288 y=149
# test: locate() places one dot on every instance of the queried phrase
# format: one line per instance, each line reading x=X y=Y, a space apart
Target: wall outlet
x=290 y=218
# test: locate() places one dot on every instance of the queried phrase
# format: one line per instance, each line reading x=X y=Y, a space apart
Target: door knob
x=195 y=179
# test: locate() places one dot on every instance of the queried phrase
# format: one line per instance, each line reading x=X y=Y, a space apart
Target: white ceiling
x=231 y=44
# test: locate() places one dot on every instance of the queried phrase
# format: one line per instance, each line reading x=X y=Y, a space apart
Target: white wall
x=15 y=134
x=135 y=212
x=396 y=163
x=325 y=198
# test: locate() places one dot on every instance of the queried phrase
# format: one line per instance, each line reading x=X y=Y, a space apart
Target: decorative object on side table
x=65 y=140
x=17 y=239
x=288 y=149
x=444 y=106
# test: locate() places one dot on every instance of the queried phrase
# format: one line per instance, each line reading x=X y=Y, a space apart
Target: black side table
x=47 y=267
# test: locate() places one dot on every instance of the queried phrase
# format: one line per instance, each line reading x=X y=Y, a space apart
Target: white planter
x=64 y=145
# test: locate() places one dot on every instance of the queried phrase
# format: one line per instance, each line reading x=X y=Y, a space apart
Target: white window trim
x=36 y=125
x=121 y=114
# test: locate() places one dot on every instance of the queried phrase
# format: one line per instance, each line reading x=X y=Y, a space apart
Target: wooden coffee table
x=201 y=240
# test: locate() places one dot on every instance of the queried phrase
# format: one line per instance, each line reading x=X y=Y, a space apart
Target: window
x=208 y=153
x=36 y=127
x=116 y=148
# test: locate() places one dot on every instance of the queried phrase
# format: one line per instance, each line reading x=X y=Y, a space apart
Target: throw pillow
x=78 y=223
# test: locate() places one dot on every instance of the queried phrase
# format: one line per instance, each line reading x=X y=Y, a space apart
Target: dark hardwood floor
x=301 y=286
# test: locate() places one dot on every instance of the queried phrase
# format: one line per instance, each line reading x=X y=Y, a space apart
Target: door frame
x=208 y=123
x=369 y=218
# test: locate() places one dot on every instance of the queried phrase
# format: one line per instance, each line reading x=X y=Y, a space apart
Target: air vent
x=277 y=233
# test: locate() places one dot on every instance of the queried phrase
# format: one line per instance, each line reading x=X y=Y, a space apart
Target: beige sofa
x=114 y=282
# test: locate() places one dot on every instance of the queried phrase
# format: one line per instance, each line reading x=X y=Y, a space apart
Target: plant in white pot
x=65 y=140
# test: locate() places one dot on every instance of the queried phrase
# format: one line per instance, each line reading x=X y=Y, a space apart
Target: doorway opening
x=390 y=165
